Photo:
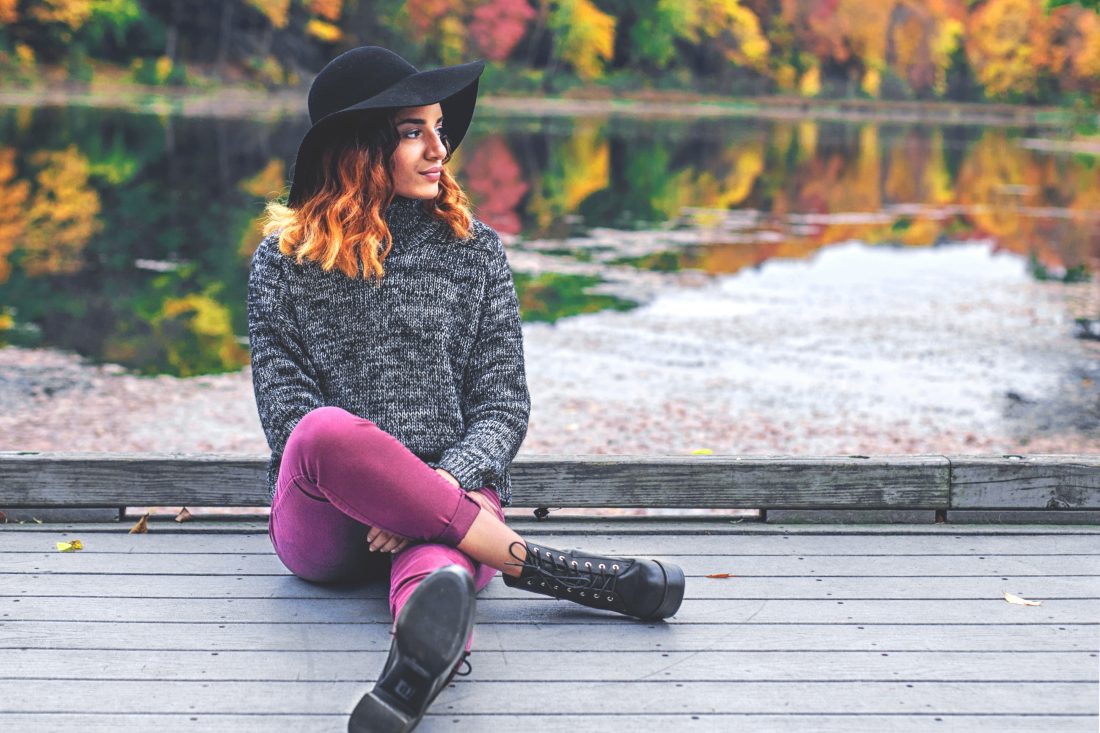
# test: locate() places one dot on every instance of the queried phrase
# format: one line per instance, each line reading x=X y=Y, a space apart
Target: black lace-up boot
x=646 y=589
x=427 y=651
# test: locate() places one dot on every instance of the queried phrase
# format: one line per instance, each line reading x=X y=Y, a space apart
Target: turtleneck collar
x=407 y=220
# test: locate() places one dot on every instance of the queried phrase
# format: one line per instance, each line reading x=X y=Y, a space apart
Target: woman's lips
x=432 y=175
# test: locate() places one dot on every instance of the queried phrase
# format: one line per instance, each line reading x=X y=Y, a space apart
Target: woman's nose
x=437 y=149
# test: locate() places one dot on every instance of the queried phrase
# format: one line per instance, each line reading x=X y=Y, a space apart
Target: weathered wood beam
x=1056 y=482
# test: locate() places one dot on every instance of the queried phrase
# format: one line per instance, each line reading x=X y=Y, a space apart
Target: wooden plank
x=605 y=665
x=1026 y=482
x=642 y=696
x=745 y=566
x=106 y=479
x=628 y=545
x=566 y=637
x=745 y=588
x=557 y=723
x=520 y=608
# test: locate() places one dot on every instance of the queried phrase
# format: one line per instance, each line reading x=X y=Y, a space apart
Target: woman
x=394 y=398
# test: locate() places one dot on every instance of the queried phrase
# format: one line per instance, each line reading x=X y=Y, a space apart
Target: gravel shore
x=863 y=350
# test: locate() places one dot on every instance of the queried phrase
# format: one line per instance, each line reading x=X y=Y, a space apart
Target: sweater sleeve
x=282 y=376
x=495 y=400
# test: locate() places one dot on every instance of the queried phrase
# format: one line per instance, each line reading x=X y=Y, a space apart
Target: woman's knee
x=325 y=429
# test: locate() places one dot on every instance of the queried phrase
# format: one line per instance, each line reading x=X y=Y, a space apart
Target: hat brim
x=453 y=87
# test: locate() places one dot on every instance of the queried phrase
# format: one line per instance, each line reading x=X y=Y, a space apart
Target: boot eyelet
x=568 y=590
x=614 y=568
x=588 y=565
x=574 y=563
x=543 y=584
x=530 y=582
x=609 y=597
x=602 y=566
x=582 y=594
x=596 y=596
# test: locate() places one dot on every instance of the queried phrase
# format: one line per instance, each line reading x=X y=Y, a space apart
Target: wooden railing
x=926 y=482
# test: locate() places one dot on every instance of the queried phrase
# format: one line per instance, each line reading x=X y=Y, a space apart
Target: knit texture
x=433 y=355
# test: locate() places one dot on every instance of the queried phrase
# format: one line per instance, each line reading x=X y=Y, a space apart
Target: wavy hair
x=341 y=224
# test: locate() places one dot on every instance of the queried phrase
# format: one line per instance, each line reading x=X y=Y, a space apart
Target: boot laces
x=560 y=570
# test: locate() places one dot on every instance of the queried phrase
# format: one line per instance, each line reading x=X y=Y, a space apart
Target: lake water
x=126 y=237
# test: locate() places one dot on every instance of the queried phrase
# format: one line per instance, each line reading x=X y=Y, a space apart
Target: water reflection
x=126 y=237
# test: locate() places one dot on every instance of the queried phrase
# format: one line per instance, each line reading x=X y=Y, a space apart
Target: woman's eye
x=439 y=131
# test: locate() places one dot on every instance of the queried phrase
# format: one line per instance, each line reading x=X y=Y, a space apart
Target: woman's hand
x=382 y=541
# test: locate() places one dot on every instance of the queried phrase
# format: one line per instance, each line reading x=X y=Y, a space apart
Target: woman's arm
x=495 y=401
x=283 y=378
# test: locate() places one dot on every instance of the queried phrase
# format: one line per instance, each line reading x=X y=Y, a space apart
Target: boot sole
x=430 y=637
x=674 y=591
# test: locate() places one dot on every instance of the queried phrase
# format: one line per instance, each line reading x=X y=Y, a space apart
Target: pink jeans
x=340 y=475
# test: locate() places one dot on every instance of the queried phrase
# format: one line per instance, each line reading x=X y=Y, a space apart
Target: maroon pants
x=341 y=475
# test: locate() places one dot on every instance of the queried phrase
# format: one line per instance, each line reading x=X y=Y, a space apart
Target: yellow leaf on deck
x=721 y=575
x=70 y=546
x=1021 y=601
x=702 y=452
x=142 y=525
x=183 y=516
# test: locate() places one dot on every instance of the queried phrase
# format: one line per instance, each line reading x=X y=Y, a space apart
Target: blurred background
x=736 y=226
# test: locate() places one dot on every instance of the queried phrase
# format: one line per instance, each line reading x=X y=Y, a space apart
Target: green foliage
x=1039 y=271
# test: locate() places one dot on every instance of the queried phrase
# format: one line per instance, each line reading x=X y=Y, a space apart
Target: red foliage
x=495 y=182
x=498 y=25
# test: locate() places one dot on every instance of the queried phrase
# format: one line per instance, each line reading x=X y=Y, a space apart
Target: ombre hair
x=341 y=224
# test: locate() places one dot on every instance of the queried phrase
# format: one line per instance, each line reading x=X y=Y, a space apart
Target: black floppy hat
x=370 y=79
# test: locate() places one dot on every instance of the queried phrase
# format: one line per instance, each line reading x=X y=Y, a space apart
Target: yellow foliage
x=949 y=34
x=810 y=83
x=267 y=182
x=715 y=18
x=210 y=322
x=277 y=12
x=871 y=82
x=587 y=162
x=786 y=77
x=25 y=54
x=62 y=216
x=323 y=31
x=1006 y=43
x=163 y=68
x=72 y=13
x=587 y=36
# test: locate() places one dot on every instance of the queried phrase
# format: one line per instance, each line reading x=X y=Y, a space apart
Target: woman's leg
x=416 y=562
x=348 y=462
x=374 y=479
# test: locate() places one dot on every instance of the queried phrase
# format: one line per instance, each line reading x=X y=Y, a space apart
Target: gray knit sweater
x=433 y=355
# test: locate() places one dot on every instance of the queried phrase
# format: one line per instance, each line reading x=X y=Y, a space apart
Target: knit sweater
x=433 y=355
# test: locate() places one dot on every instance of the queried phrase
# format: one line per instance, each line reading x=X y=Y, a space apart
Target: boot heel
x=374 y=715
x=674 y=590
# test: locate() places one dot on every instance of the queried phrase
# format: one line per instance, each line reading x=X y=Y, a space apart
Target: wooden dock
x=820 y=626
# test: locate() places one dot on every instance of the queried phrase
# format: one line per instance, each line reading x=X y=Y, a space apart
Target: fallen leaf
x=702 y=452
x=142 y=525
x=721 y=575
x=183 y=516
x=3 y=518
x=70 y=546
x=37 y=520
x=1021 y=601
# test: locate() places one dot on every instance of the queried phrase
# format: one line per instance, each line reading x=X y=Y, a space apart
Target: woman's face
x=418 y=160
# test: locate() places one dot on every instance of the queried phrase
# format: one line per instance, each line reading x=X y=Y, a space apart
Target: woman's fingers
x=383 y=541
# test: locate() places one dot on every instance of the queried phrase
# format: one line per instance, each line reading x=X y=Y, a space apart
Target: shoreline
x=594 y=101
